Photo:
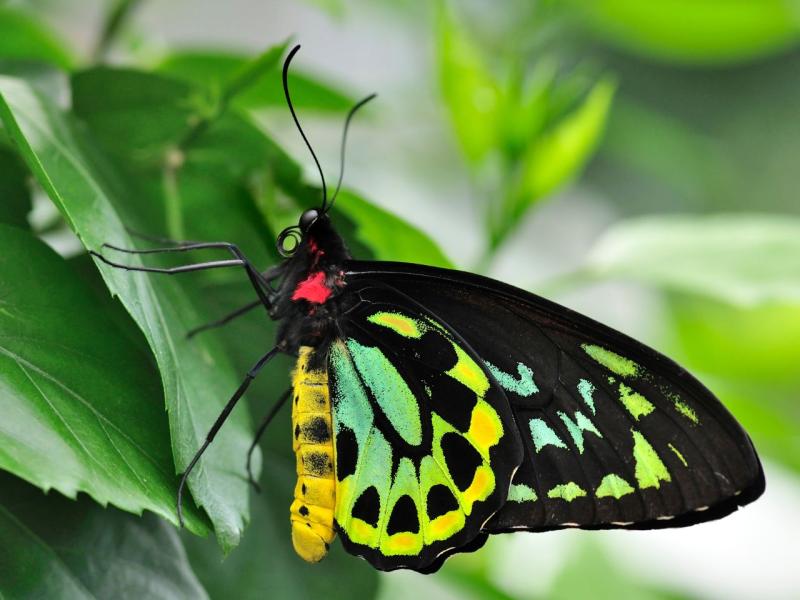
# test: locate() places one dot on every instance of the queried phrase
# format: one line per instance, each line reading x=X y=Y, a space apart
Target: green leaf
x=196 y=375
x=591 y=573
x=15 y=200
x=686 y=31
x=748 y=356
x=370 y=232
x=559 y=154
x=387 y=236
x=214 y=69
x=141 y=124
x=745 y=259
x=55 y=548
x=471 y=93
x=25 y=37
x=265 y=564
x=81 y=404
x=140 y=116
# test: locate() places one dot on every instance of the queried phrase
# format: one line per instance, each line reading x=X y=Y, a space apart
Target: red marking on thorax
x=313 y=289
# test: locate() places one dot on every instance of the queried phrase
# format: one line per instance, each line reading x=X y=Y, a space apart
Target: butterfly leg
x=223 y=416
x=260 y=431
x=270 y=275
x=223 y=320
x=259 y=282
x=158 y=239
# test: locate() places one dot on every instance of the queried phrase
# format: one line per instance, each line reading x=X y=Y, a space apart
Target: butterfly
x=432 y=408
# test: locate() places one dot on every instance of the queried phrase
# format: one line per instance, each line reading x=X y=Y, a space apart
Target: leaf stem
x=112 y=24
x=172 y=194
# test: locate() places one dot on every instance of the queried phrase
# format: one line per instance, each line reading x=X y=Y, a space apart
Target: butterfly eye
x=288 y=241
x=308 y=218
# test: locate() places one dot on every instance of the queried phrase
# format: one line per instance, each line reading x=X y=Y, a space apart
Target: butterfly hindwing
x=426 y=444
x=615 y=434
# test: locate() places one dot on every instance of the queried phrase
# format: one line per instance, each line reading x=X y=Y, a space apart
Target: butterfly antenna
x=297 y=122
x=344 y=144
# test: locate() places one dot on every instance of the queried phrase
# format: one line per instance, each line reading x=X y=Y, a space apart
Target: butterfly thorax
x=308 y=301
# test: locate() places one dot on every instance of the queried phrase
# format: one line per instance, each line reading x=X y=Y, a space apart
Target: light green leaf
x=745 y=259
x=471 y=93
x=215 y=68
x=688 y=31
x=26 y=37
x=81 y=404
x=559 y=154
x=591 y=573
x=56 y=548
x=387 y=236
x=749 y=356
x=196 y=376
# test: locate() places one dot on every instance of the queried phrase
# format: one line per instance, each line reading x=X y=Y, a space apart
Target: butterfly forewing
x=614 y=434
x=426 y=444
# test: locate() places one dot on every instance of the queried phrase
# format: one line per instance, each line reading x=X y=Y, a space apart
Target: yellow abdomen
x=315 y=492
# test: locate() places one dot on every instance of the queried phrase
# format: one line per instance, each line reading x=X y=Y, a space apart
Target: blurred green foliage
x=669 y=107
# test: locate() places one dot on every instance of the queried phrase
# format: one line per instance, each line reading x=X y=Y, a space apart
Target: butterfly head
x=312 y=223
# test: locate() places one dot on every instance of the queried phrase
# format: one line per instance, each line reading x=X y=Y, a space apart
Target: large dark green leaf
x=81 y=405
x=55 y=548
x=196 y=376
x=265 y=565
x=15 y=201
x=216 y=68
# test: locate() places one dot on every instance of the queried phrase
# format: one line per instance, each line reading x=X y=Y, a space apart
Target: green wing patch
x=420 y=456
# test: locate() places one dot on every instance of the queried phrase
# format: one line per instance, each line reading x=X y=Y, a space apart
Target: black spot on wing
x=440 y=501
x=404 y=517
x=436 y=351
x=452 y=400
x=461 y=458
x=346 y=453
x=368 y=506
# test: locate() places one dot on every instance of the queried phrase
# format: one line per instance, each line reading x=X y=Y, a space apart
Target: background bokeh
x=635 y=161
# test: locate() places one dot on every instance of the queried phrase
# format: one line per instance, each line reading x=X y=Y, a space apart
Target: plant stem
x=112 y=25
x=172 y=194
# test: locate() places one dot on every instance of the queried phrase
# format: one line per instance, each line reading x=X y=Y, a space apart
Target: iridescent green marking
x=650 y=471
x=391 y=392
x=637 y=405
x=399 y=323
x=612 y=361
x=519 y=492
x=567 y=491
x=544 y=436
x=678 y=454
x=577 y=427
x=586 y=389
x=614 y=486
x=522 y=385
x=686 y=410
